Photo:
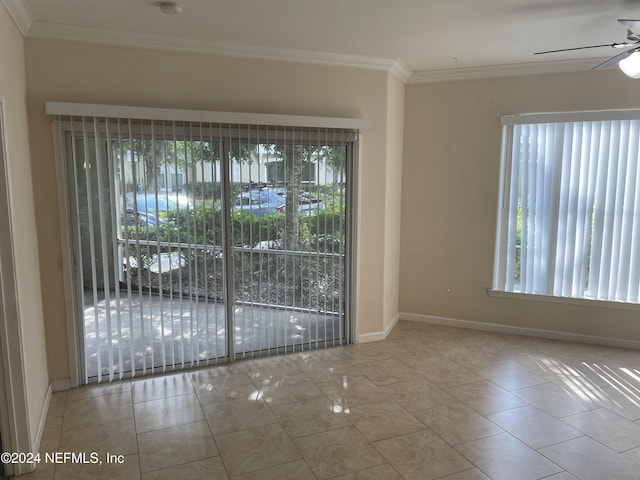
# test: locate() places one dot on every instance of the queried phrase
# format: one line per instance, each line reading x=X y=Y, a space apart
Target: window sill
x=584 y=302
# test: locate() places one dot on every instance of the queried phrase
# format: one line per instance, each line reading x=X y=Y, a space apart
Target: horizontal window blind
x=570 y=210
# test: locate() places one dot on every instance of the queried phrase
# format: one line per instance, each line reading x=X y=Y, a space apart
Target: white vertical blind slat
x=629 y=152
x=80 y=250
x=102 y=220
x=504 y=220
x=512 y=212
x=581 y=198
x=598 y=253
x=528 y=208
x=92 y=244
x=634 y=244
x=613 y=208
x=553 y=173
x=564 y=162
x=156 y=165
x=590 y=155
x=540 y=215
x=115 y=249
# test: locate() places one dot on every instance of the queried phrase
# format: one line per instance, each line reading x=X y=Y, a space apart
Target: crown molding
x=19 y=13
x=400 y=70
x=498 y=71
x=51 y=31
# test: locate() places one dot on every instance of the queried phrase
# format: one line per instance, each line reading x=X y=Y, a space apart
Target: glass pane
x=289 y=248
x=161 y=304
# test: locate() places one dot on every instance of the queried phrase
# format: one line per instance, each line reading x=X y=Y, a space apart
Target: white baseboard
x=376 y=336
x=529 y=332
x=370 y=337
x=60 y=385
x=43 y=420
x=392 y=324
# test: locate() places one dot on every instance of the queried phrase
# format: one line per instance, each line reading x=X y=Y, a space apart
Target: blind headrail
x=561 y=117
x=235 y=118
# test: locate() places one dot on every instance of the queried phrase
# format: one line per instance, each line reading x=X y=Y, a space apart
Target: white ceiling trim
x=50 y=31
x=53 y=31
x=19 y=13
x=498 y=71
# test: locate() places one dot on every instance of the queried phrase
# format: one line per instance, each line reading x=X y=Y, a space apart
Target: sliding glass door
x=185 y=232
x=148 y=249
x=289 y=242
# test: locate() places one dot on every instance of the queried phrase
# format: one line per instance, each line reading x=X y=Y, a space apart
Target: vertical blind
x=196 y=242
x=570 y=211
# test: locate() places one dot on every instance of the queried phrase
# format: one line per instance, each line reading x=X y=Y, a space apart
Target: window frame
x=505 y=203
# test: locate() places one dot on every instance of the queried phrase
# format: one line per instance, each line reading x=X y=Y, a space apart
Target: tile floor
x=429 y=402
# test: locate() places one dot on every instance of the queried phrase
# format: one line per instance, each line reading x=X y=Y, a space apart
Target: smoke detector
x=171 y=8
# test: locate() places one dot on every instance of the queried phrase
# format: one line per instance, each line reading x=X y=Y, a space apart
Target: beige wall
x=393 y=198
x=21 y=207
x=75 y=72
x=450 y=191
x=436 y=258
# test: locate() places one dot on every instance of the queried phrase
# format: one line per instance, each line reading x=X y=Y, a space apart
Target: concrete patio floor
x=154 y=333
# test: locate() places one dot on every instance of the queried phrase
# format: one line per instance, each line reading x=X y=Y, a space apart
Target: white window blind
x=570 y=208
x=185 y=254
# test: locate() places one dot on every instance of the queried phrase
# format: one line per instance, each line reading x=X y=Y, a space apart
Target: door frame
x=14 y=422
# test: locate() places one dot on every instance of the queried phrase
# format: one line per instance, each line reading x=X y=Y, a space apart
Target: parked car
x=258 y=201
x=307 y=206
x=261 y=201
x=150 y=208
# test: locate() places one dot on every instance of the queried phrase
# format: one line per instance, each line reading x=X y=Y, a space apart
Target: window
x=569 y=223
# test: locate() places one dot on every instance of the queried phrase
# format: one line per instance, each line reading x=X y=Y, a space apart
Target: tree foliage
x=295 y=156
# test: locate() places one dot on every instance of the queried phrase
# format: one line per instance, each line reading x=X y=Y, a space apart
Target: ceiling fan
x=628 y=61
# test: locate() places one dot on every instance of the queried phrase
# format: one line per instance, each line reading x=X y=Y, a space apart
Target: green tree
x=295 y=157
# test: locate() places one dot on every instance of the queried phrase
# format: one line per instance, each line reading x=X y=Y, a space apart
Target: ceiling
x=421 y=40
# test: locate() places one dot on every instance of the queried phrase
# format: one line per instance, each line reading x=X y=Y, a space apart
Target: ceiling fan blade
x=616 y=59
x=612 y=45
x=632 y=25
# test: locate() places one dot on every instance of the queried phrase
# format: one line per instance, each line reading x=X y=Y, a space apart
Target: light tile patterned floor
x=429 y=402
